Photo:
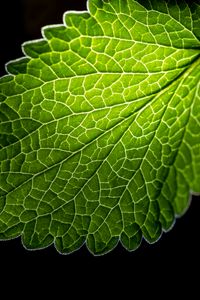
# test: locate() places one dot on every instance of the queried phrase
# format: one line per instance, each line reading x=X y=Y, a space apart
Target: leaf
x=100 y=127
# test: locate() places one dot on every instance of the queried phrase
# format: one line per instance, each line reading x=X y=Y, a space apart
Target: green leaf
x=100 y=127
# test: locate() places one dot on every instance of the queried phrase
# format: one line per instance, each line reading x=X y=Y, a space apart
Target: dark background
x=176 y=253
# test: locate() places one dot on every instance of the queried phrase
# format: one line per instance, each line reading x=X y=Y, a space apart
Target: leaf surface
x=100 y=127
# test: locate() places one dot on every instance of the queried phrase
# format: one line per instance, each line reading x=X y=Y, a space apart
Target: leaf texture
x=100 y=127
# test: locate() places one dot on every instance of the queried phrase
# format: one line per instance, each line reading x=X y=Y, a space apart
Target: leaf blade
x=100 y=128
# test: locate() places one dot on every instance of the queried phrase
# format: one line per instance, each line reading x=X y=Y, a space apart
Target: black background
x=176 y=253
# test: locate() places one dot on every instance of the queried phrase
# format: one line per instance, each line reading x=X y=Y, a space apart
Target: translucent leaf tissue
x=100 y=127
